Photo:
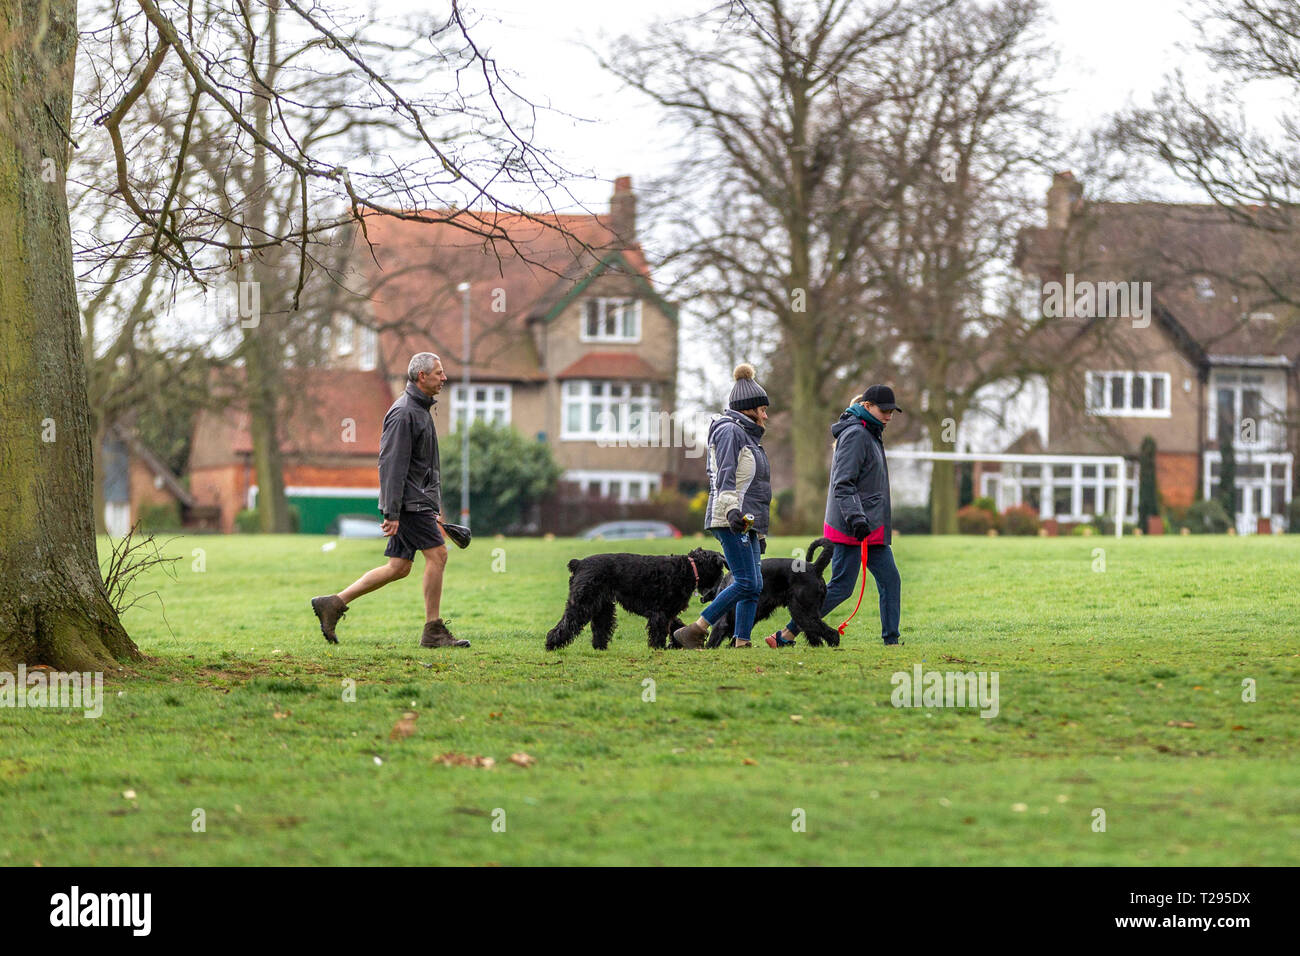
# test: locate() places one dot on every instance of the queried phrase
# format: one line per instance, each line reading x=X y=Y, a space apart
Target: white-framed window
x=487 y=402
x=346 y=326
x=1248 y=404
x=623 y=485
x=1263 y=486
x=594 y=410
x=1127 y=394
x=369 y=357
x=611 y=320
x=1068 y=491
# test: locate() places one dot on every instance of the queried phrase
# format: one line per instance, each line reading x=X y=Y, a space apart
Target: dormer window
x=611 y=320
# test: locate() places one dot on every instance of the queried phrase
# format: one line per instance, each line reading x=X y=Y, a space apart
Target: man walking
x=410 y=497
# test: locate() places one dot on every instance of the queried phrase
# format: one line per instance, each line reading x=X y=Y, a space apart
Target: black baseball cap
x=882 y=396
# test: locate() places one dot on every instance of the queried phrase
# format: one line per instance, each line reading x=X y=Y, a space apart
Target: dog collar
x=695 y=571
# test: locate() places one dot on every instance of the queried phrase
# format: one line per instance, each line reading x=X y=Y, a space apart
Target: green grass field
x=1120 y=690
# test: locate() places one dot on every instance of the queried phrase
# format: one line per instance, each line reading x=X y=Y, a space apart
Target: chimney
x=622 y=211
x=1061 y=199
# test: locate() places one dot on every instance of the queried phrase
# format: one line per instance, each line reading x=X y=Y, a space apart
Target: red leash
x=843 y=627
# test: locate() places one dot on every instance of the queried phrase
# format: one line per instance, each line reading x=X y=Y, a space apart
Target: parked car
x=357 y=526
x=627 y=530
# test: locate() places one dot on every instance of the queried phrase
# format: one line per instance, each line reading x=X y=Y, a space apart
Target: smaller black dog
x=657 y=587
x=802 y=591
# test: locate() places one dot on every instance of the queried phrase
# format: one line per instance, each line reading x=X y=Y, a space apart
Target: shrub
x=509 y=474
x=974 y=520
x=248 y=521
x=1105 y=524
x=1020 y=519
x=911 y=519
x=966 y=488
x=1208 y=517
x=1293 y=517
x=667 y=504
x=1227 y=490
x=164 y=517
x=1175 y=517
x=782 y=503
x=699 y=502
x=1148 y=496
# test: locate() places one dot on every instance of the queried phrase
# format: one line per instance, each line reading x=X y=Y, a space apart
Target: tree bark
x=263 y=356
x=811 y=442
x=263 y=390
x=53 y=605
x=943 y=498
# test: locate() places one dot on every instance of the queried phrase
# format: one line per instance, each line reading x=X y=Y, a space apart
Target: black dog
x=657 y=587
x=801 y=590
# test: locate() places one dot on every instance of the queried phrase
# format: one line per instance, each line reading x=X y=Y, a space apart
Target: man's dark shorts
x=416 y=531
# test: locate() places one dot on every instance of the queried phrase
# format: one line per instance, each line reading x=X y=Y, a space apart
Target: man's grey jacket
x=409 y=470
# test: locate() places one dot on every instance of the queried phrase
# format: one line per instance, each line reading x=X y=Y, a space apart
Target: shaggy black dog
x=802 y=591
x=657 y=587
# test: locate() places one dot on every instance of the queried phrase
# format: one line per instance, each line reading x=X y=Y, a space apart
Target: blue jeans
x=845 y=562
x=746 y=585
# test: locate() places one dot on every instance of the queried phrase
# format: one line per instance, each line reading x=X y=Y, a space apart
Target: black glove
x=736 y=520
x=762 y=545
x=861 y=529
x=458 y=533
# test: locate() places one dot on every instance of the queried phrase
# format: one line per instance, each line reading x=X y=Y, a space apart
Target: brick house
x=135 y=480
x=1213 y=353
x=330 y=421
x=570 y=343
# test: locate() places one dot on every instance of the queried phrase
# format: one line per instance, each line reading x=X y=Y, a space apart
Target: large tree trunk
x=53 y=606
x=943 y=476
x=811 y=442
x=943 y=498
x=263 y=357
x=263 y=389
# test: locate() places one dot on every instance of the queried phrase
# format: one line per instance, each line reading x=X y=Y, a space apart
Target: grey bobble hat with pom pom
x=746 y=393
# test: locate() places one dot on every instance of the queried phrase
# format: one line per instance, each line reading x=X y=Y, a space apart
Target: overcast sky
x=1113 y=52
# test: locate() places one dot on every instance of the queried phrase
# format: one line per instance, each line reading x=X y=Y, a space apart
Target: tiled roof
x=1208 y=271
x=417 y=266
x=616 y=365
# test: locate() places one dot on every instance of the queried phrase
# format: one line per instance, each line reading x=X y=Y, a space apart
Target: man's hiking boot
x=329 y=609
x=436 y=635
x=691 y=636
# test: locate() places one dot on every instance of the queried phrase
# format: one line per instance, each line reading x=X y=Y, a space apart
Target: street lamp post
x=463 y=288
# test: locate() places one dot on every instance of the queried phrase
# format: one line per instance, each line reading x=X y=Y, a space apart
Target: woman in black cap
x=740 y=496
x=857 y=510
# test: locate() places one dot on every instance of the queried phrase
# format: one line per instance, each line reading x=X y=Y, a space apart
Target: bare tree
x=866 y=167
x=1250 y=175
x=53 y=605
x=964 y=125
x=776 y=199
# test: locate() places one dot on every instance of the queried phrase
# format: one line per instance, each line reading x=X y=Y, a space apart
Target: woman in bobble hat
x=740 y=494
